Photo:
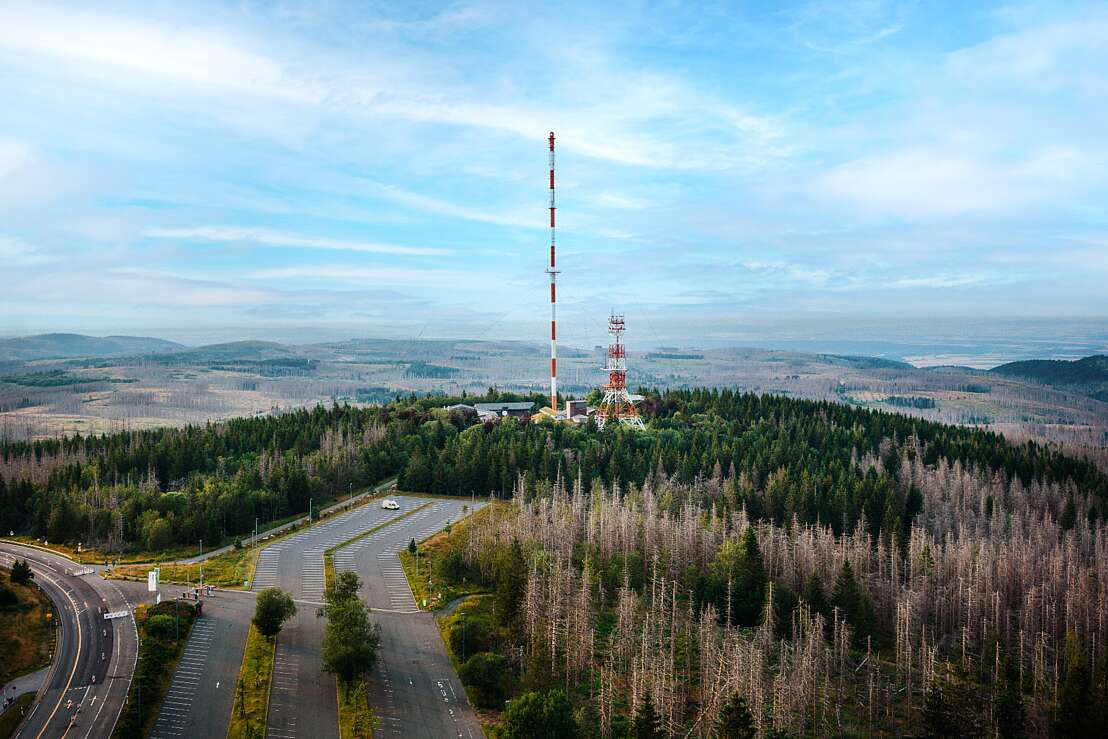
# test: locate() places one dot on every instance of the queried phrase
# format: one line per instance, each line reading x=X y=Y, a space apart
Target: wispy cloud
x=152 y=51
x=17 y=253
x=265 y=237
x=935 y=182
x=377 y=276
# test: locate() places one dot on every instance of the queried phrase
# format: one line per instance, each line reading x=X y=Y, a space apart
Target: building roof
x=496 y=407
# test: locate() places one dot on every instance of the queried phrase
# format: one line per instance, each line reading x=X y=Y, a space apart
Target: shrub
x=487 y=674
x=161 y=627
x=478 y=634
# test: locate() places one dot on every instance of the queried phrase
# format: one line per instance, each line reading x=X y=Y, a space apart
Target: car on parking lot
x=390 y=505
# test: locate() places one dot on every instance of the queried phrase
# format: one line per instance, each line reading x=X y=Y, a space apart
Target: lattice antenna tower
x=617 y=405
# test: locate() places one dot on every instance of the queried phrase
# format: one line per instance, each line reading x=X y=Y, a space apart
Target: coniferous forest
x=840 y=570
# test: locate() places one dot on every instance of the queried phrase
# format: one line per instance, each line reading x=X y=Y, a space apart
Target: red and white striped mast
x=553 y=304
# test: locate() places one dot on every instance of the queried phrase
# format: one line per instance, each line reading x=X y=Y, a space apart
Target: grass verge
x=27 y=632
x=248 y=718
x=228 y=570
x=12 y=717
x=356 y=721
x=159 y=650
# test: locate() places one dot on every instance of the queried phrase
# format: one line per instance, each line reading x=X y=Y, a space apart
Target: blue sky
x=726 y=171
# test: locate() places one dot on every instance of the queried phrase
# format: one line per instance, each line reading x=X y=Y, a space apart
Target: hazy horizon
x=802 y=175
x=987 y=344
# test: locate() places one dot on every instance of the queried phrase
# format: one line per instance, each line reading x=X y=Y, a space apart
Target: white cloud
x=609 y=199
x=17 y=253
x=266 y=237
x=392 y=276
x=204 y=57
x=929 y=182
x=641 y=118
x=443 y=207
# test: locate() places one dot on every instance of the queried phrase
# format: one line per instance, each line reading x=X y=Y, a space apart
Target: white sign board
x=152 y=580
x=115 y=614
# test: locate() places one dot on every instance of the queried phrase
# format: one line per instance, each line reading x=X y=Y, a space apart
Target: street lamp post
x=462 y=615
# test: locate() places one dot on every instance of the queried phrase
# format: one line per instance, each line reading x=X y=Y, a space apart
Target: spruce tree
x=645 y=724
x=853 y=603
x=735 y=720
x=1075 y=708
x=1010 y=713
x=814 y=597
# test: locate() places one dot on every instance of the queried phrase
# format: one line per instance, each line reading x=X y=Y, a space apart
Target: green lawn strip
x=431 y=551
x=356 y=721
x=227 y=570
x=12 y=717
x=27 y=631
x=159 y=651
x=248 y=717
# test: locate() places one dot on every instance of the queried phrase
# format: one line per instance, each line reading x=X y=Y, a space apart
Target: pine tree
x=645 y=724
x=1011 y=715
x=735 y=720
x=511 y=580
x=853 y=603
x=813 y=595
x=1075 y=708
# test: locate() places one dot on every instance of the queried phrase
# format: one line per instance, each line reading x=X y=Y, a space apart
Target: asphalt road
x=414 y=690
x=94 y=659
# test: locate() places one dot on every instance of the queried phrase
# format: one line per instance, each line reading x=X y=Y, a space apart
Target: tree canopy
x=272 y=608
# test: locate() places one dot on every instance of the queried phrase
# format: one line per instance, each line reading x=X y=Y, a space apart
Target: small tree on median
x=350 y=640
x=274 y=607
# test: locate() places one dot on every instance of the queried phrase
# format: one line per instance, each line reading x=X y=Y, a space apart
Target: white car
x=390 y=505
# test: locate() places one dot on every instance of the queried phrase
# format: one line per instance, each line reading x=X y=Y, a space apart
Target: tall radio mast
x=552 y=270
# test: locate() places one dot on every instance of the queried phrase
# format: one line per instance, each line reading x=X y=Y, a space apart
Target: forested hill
x=53 y=346
x=777 y=457
x=1088 y=375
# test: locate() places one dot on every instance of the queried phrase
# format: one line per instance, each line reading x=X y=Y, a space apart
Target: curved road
x=94 y=660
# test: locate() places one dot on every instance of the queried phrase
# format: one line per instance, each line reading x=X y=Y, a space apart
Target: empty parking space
x=177 y=707
x=398 y=594
x=284 y=695
x=312 y=582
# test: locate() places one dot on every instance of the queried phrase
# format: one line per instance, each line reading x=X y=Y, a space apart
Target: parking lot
x=303 y=702
x=174 y=717
x=414 y=690
x=200 y=698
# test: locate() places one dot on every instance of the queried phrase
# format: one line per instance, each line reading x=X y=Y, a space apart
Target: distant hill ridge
x=1088 y=376
x=63 y=346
